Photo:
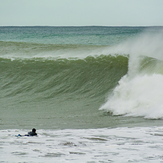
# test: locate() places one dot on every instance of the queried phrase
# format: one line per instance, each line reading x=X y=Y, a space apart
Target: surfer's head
x=34 y=130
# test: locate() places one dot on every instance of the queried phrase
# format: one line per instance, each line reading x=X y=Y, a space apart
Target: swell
x=38 y=50
x=45 y=78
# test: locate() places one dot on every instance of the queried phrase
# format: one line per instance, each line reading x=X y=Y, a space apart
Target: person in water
x=33 y=133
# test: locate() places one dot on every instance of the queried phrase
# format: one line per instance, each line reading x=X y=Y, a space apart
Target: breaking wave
x=139 y=92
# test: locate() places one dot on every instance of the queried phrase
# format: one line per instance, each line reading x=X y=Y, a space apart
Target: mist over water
x=139 y=92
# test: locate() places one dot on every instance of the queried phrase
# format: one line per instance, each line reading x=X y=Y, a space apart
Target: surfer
x=33 y=133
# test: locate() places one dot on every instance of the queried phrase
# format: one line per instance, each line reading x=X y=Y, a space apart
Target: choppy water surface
x=85 y=145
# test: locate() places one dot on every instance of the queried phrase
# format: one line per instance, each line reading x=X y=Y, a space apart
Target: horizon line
x=81 y=25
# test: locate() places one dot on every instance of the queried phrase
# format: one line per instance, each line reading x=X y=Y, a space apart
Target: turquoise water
x=69 y=35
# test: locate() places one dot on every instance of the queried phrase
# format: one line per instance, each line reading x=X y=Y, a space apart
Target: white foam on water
x=140 y=144
x=140 y=94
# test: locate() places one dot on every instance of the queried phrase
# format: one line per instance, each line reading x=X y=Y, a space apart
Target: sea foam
x=139 y=93
x=83 y=145
x=139 y=96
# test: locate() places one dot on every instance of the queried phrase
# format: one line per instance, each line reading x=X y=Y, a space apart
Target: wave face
x=57 y=91
x=91 y=76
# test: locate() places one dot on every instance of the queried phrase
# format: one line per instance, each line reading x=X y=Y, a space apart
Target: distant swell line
x=28 y=50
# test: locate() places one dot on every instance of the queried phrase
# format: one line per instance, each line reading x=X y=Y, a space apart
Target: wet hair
x=33 y=130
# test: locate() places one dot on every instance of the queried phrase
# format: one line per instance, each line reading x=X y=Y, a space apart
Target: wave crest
x=139 y=93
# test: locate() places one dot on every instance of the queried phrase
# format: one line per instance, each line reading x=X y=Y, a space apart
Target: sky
x=81 y=12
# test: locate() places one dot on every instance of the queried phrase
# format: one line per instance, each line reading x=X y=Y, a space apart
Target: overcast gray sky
x=81 y=12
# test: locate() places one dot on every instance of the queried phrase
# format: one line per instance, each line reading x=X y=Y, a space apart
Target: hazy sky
x=81 y=12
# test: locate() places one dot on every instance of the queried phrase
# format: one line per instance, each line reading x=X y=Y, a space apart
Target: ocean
x=93 y=93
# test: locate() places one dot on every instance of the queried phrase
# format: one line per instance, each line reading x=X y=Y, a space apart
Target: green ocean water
x=60 y=77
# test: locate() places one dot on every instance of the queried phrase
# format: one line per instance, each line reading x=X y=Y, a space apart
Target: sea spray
x=139 y=93
x=139 y=96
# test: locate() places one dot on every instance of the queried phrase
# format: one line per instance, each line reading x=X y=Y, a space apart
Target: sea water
x=94 y=94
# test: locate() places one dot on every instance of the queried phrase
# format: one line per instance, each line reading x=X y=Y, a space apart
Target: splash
x=139 y=96
x=140 y=92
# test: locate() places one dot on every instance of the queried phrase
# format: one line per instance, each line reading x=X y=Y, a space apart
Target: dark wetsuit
x=31 y=134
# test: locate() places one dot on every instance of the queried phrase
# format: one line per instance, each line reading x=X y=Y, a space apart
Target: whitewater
x=139 y=92
x=94 y=94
